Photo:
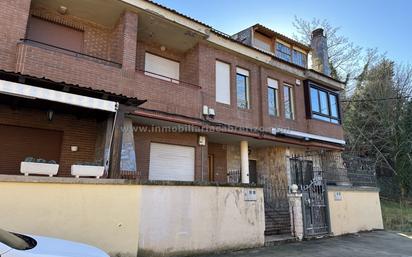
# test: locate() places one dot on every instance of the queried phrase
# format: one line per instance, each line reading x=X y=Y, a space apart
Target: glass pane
x=272 y=101
x=324 y=109
x=241 y=91
x=299 y=58
x=288 y=102
x=283 y=52
x=333 y=106
x=314 y=100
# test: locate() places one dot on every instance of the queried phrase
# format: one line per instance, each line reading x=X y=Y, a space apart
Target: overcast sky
x=385 y=24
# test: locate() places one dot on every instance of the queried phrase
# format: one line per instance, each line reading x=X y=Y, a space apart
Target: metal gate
x=309 y=178
x=315 y=220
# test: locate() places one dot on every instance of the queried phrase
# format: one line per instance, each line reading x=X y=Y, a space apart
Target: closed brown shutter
x=17 y=143
x=55 y=34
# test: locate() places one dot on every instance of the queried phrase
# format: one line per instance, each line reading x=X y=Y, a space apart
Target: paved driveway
x=373 y=244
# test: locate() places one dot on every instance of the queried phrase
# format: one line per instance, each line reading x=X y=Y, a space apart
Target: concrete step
x=275 y=240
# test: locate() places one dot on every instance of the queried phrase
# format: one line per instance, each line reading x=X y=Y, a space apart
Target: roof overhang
x=306 y=136
x=32 y=92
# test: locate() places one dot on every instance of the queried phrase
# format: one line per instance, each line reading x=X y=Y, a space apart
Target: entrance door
x=211 y=166
x=252 y=172
x=17 y=143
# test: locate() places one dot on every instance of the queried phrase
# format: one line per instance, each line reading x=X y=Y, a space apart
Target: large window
x=161 y=68
x=299 y=58
x=273 y=97
x=283 y=52
x=324 y=105
x=242 y=88
x=288 y=101
x=222 y=82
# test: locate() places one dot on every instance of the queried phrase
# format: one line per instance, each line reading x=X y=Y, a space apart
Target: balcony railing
x=70 y=52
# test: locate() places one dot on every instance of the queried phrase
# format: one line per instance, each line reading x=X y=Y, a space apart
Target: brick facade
x=121 y=44
x=76 y=131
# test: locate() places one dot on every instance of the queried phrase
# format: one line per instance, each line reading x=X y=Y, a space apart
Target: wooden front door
x=211 y=165
x=252 y=172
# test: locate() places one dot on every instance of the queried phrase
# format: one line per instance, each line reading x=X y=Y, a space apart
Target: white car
x=17 y=245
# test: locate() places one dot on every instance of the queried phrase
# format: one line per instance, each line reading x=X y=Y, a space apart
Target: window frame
x=229 y=101
x=247 y=88
x=304 y=58
x=329 y=116
x=282 y=52
x=291 y=101
x=276 y=96
x=158 y=75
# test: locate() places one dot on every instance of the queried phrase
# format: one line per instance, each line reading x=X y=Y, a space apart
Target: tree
x=344 y=56
x=378 y=118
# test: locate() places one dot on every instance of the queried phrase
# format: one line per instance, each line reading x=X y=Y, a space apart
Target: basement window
x=324 y=105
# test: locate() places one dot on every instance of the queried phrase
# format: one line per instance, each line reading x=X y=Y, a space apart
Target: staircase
x=277 y=222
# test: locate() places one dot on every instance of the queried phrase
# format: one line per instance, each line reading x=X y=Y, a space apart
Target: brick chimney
x=320 y=58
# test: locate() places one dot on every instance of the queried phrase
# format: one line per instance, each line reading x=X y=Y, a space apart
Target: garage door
x=171 y=162
x=17 y=143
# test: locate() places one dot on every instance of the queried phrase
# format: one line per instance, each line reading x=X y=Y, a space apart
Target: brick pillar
x=296 y=215
x=130 y=20
x=13 y=22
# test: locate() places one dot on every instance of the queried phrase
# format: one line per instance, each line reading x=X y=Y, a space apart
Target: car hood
x=51 y=247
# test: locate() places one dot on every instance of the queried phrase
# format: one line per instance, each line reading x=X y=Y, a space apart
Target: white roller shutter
x=222 y=82
x=162 y=68
x=171 y=162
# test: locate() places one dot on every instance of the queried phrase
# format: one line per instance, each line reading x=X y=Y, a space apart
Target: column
x=244 y=161
x=130 y=20
x=296 y=215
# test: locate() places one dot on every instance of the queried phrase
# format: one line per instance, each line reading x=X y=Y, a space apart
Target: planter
x=38 y=168
x=87 y=171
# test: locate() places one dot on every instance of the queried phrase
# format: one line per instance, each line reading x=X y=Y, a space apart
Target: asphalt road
x=371 y=244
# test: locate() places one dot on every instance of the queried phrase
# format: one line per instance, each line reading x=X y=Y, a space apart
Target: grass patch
x=397 y=217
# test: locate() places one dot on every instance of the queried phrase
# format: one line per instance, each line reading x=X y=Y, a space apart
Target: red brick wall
x=79 y=132
x=219 y=153
x=99 y=41
x=186 y=98
x=142 y=144
x=13 y=21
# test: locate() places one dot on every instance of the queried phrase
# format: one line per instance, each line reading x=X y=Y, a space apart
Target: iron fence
x=234 y=176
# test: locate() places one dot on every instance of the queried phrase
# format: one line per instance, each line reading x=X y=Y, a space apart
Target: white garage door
x=171 y=162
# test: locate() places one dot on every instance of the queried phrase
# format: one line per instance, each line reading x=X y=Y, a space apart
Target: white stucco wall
x=186 y=219
x=357 y=210
x=170 y=219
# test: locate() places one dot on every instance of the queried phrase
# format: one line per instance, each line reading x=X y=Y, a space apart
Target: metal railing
x=234 y=176
x=68 y=51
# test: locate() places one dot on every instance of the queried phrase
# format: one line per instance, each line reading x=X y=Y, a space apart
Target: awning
x=306 y=136
x=31 y=92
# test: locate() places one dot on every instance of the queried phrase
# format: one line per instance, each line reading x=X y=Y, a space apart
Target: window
x=242 y=86
x=222 y=82
x=283 y=52
x=54 y=34
x=161 y=68
x=324 y=105
x=299 y=58
x=288 y=101
x=273 y=97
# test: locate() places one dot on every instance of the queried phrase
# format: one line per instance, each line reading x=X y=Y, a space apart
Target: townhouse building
x=153 y=95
